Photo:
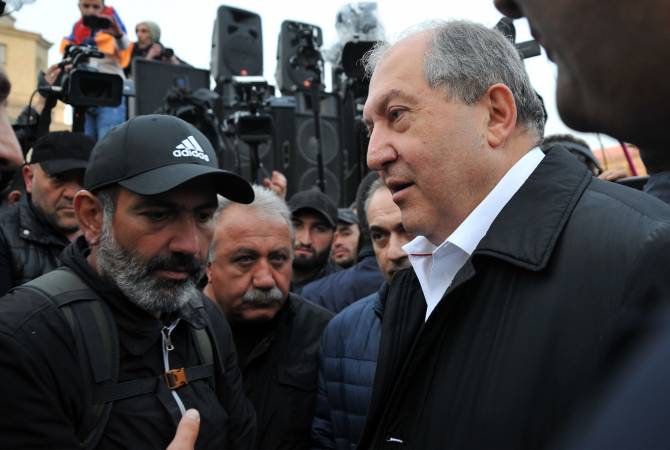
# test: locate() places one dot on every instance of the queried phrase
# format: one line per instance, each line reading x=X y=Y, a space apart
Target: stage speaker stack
x=237 y=44
x=290 y=75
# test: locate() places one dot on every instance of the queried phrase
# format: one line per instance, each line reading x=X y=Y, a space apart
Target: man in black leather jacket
x=35 y=231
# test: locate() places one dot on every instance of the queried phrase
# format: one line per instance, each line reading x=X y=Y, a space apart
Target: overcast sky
x=187 y=28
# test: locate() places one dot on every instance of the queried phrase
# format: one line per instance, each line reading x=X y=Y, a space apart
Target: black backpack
x=97 y=342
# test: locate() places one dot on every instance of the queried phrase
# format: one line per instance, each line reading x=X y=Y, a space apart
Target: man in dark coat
x=34 y=231
x=525 y=265
x=277 y=334
x=350 y=343
x=146 y=217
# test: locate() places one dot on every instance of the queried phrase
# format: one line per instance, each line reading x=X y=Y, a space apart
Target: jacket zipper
x=167 y=348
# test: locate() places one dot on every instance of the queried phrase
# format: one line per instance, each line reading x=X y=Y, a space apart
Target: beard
x=307 y=263
x=133 y=275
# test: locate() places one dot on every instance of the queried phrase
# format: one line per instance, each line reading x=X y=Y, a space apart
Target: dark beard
x=134 y=276
x=310 y=263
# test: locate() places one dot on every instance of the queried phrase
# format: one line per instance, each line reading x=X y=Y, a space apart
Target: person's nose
x=263 y=278
x=70 y=189
x=303 y=236
x=395 y=252
x=187 y=237
x=380 y=150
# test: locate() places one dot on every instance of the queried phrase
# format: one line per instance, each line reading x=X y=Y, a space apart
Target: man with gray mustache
x=277 y=333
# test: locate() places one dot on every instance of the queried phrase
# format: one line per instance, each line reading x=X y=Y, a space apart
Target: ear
x=27 y=172
x=208 y=270
x=501 y=107
x=88 y=210
x=14 y=196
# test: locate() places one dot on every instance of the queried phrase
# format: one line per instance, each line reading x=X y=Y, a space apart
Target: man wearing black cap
x=347 y=236
x=111 y=349
x=35 y=231
x=313 y=215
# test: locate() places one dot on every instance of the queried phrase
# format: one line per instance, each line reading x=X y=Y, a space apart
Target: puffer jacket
x=29 y=246
x=340 y=289
x=347 y=363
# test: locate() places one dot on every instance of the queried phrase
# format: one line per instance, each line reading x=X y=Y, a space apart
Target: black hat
x=61 y=151
x=347 y=215
x=152 y=154
x=315 y=200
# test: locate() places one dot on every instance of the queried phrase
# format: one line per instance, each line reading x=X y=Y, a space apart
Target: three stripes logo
x=190 y=147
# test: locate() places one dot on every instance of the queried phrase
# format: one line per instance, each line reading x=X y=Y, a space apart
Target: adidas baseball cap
x=154 y=153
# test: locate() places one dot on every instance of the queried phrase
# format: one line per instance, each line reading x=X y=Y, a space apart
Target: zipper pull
x=166 y=332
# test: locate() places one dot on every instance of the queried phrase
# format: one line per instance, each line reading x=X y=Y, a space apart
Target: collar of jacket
x=138 y=330
x=527 y=229
x=284 y=315
x=33 y=227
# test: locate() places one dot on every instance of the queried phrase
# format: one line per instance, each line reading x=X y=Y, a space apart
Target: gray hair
x=466 y=59
x=374 y=187
x=267 y=205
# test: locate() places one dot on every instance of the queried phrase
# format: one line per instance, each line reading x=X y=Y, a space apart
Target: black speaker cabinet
x=303 y=169
x=292 y=48
x=237 y=44
x=153 y=80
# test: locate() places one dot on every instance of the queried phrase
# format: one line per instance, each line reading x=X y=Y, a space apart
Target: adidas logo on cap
x=190 y=147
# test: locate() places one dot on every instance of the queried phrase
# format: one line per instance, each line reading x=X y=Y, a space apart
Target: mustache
x=262 y=297
x=178 y=262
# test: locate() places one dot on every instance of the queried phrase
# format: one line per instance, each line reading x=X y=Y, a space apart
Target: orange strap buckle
x=175 y=378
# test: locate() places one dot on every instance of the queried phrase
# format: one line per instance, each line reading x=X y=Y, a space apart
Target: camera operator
x=100 y=26
x=149 y=46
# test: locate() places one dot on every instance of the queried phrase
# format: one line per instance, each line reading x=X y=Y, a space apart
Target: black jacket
x=29 y=246
x=280 y=374
x=45 y=398
x=525 y=330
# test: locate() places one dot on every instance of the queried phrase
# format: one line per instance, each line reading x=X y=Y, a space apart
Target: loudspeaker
x=237 y=44
x=303 y=169
x=296 y=44
x=153 y=80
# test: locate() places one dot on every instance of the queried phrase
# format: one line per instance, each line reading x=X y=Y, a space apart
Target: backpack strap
x=96 y=337
x=97 y=340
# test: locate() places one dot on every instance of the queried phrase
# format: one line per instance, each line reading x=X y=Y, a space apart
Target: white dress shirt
x=436 y=267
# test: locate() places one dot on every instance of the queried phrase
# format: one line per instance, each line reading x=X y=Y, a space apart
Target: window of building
x=3 y=54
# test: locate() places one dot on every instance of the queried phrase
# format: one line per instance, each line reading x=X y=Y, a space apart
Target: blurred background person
x=344 y=251
x=149 y=46
x=100 y=26
x=34 y=231
x=314 y=218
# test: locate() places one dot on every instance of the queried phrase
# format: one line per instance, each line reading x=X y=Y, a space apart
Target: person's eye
x=378 y=238
x=204 y=216
x=157 y=215
x=245 y=261
x=321 y=229
x=395 y=114
x=278 y=259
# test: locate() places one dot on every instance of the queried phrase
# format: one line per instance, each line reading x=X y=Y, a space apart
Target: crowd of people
x=490 y=286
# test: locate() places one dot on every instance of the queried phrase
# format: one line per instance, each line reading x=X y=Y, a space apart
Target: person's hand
x=114 y=28
x=613 y=174
x=51 y=75
x=187 y=431
x=276 y=183
x=154 y=51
